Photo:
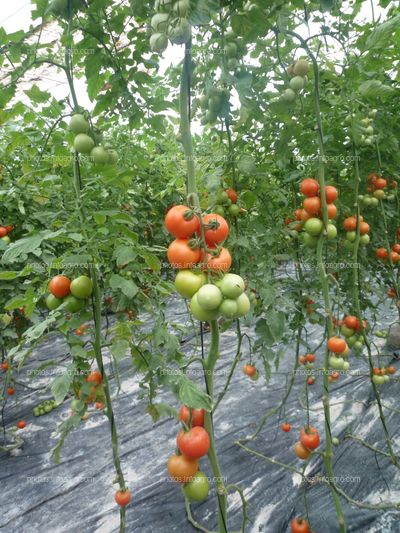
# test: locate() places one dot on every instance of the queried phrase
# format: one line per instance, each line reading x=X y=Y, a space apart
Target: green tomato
x=35 y=411
x=230 y=50
x=112 y=157
x=99 y=155
x=47 y=408
x=52 y=302
x=222 y=198
x=77 y=405
x=297 y=83
x=351 y=236
x=351 y=341
x=228 y=308
x=256 y=376
x=346 y=365
x=179 y=33
x=243 y=305
x=234 y=210
x=331 y=231
x=72 y=304
x=336 y=362
x=187 y=282
x=78 y=124
x=209 y=297
x=288 y=96
x=232 y=63
x=378 y=380
x=367 y=200
x=386 y=378
x=314 y=226
x=81 y=287
x=347 y=332
x=357 y=346
x=301 y=67
x=310 y=241
x=198 y=488
x=158 y=42
x=364 y=239
x=232 y=285
x=348 y=245
x=335 y=441
x=200 y=313
x=181 y=8
x=374 y=202
x=83 y=143
x=159 y=22
x=219 y=210
x=6 y=239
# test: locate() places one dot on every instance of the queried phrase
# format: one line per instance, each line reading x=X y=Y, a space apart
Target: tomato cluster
x=72 y=294
x=87 y=141
x=381 y=375
x=170 y=22
x=386 y=255
x=339 y=350
x=350 y=225
x=298 y=72
x=193 y=443
x=377 y=189
x=196 y=249
x=309 y=441
x=310 y=217
x=226 y=203
x=4 y=233
x=350 y=327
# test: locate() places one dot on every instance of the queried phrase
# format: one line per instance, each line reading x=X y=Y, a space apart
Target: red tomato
x=99 y=405
x=337 y=345
x=232 y=195
x=352 y=322
x=123 y=497
x=95 y=377
x=299 y=525
x=310 y=357
x=304 y=215
x=312 y=205
x=382 y=253
x=396 y=248
x=3 y=231
x=380 y=183
x=181 y=255
x=249 y=370
x=286 y=427
x=331 y=193
x=350 y=224
x=310 y=381
x=395 y=257
x=4 y=366
x=60 y=286
x=181 y=468
x=181 y=221
x=309 y=187
x=219 y=263
x=21 y=424
x=9 y=228
x=309 y=438
x=193 y=443
x=332 y=211
x=197 y=416
x=216 y=229
x=10 y=391
x=364 y=228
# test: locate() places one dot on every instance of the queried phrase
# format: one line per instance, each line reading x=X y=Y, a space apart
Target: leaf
x=381 y=33
x=37 y=96
x=192 y=396
x=124 y=255
x=119 y=349
x=60 y=386
x=375 y=89
x=37 y=330
x=7 y=275
x=246 y=165
x=127 y=286
x=158 y=410
x=27 y=245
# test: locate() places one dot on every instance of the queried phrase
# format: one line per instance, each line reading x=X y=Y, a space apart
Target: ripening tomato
x=302 y=360
x=297 y=214
x=182 y=468
x=197 y=416
x=310 y=357
x=286 y=427
x=99 y=405
x=395 y=257
x=392 y=292
x=382 y=253
x=181 y=255
x=181 y=221
x=312 y=205
x=301 y=451
x=331 y=193
x=216 y=229
x=332 y=211
x=396 y=248
x=219 y=263
x=10 y=391
x=309 y=187
x=95 y=377
x=309 y=437
x=59 y=286
x=304 y=215
x=391 y=370
x=336 y=345
x=350 y=224
x=4 y=366
x=299 y=525
x=123 y=497
x=249 y=370
x=364 y=228
x=380 y=183
x=352 y=322
x=21 y=424
x=232 y=195
x=193 y=443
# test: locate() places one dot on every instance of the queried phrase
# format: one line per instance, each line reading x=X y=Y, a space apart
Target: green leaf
x=127 y=286
x=24 y=246
x=37 y=96
x=161 y=410
x=60 y=386
x=381 y=34
x=375 y=89
x=192 y=396
x=119 y=349
x=124 y=255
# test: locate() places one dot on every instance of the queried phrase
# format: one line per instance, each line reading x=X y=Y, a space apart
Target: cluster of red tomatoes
x=309 y=441
x=196 y=249
x=383 y=254
x=308 y=360
x=350 y=225
x=72 y=294
x=4 y=232
x=310 y=217
x=193 y=442
x=377 y=185
x=339 y=349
